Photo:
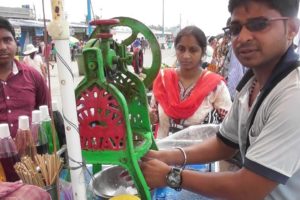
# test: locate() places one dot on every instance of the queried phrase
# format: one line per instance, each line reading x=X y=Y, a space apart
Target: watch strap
x=175 y=171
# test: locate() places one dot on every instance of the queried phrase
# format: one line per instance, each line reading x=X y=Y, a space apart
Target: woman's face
x=188 y=52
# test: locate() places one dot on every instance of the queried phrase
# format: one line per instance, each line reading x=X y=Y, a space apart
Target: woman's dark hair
x=194 y=31
x=5 y=24
x=287 y=8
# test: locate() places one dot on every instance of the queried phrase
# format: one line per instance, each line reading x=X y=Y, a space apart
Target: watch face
x=174 y=178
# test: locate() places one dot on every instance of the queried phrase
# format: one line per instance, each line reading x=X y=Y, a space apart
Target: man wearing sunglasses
x=263 y=122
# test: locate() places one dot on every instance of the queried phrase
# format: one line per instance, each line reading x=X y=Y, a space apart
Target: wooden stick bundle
x=26 y=170
x=48 y=167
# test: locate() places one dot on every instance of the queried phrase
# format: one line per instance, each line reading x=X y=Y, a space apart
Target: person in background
x=144 y=44
x=235 y=72
x=216 y=44
x=33 y=59
x=73 y=52
x=18 y=48
x=232 y=70
x=188 y=95
x=53 y=52
x=212 y=40
x=42 y=48
x=263 y=122
x=22 y=88
x=137 y=43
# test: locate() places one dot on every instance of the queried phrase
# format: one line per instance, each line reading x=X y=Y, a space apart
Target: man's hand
x=162 y=156
x=154 y=171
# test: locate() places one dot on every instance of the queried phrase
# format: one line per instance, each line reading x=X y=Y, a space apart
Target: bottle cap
x=4 y=131
x=44 y=112
x=24 y=122
x=36 y=116
x=54 y=106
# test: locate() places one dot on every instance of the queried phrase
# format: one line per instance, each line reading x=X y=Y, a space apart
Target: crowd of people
x=261 y=125
x=241 y=80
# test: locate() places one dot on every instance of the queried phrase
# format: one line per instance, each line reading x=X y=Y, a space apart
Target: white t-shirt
x=274 y=150
x=36 y=62
x=209 y=54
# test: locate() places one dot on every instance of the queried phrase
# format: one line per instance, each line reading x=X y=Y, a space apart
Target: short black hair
x=5 y=24
x=287 y=8
x=210 y=39
x=194 y=31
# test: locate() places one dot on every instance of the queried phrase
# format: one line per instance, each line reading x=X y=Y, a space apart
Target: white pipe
x=59 y=31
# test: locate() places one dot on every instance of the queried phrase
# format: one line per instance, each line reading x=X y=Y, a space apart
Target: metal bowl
x=108 y=183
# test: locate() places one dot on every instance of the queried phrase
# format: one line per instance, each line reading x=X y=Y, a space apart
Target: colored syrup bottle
x=2 y=174
x=46 y=126
x=38 y=133
x=24 y=140
x=59 y=124
x=8 y=154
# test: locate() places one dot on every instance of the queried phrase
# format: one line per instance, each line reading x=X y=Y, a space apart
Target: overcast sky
x=209 y=15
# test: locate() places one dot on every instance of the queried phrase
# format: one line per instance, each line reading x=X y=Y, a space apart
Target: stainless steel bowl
x=108 y=183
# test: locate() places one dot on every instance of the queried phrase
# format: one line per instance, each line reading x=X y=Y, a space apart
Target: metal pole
x=60 y=32
x=163 y=25
x=47 y=58
x=180 y=21
x=89 y=17
x=163 y=19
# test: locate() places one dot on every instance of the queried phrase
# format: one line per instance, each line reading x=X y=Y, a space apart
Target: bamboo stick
x=49 y=167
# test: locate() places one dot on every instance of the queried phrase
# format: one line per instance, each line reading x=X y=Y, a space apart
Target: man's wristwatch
x=174 y=178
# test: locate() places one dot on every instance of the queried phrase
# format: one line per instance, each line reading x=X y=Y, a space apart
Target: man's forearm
x=242 y=184
x=212 y=149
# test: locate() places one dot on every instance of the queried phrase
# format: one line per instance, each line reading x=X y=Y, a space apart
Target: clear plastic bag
x=188 y=136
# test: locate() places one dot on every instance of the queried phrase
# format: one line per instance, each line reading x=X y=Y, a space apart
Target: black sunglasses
x=253 y=25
